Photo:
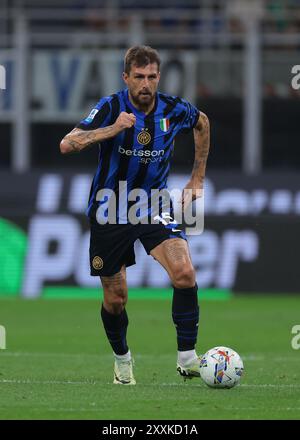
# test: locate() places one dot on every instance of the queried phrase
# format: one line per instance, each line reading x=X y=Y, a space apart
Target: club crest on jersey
x=164 y=124
x=97 y=263
x=144 y=137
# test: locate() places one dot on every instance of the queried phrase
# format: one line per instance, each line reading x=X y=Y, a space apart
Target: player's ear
x=125 y=77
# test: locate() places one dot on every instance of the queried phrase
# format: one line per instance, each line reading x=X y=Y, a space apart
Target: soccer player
x=136 y=128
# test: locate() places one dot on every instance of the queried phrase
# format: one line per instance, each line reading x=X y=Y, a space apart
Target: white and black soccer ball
x=221 y=367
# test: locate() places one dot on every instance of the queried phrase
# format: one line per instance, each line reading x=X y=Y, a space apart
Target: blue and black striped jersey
x=139 y=155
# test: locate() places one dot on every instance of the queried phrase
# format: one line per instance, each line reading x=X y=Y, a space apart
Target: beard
x=143 y=99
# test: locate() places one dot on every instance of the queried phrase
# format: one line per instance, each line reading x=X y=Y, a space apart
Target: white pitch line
x=70 y=382
x=100 y=410
x=226 y=408
x=35 y=354
x=250 y=357
x=269 y=385
x=95 y=382
x=273 y=408
x=47 y=382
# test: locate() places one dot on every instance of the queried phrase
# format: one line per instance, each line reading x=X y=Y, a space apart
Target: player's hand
x=192 y=191
x=124 y=120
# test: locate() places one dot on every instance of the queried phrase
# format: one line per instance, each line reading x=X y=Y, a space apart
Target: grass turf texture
x=58 y=364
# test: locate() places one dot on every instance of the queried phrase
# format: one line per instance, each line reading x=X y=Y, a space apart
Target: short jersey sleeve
x=191 y=116
x=99 y=116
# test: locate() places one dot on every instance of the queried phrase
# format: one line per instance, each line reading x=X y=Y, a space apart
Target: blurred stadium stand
x=213 y=59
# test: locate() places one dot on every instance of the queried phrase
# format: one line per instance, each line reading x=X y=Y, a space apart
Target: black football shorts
x=112 y=246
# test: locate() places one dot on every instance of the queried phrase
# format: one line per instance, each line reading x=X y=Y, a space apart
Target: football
x=221 y=367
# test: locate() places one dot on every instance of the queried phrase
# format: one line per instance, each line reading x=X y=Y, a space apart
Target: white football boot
x=190 y=370
x=123 y=372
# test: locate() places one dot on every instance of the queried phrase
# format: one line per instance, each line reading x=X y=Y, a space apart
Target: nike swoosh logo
x=176 y=230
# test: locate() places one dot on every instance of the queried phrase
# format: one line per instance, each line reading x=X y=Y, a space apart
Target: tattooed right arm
x=78 y=139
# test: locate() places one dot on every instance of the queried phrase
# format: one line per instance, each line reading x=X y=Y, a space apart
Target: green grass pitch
x=58 y=364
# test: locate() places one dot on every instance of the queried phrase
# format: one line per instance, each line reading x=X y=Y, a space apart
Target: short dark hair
x=140 y=56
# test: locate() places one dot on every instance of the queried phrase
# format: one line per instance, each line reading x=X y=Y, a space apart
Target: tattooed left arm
x=194 y=187
x=202 y=143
